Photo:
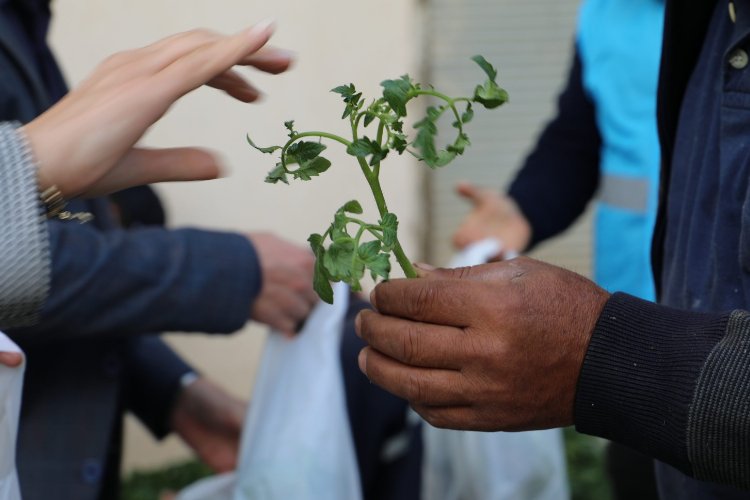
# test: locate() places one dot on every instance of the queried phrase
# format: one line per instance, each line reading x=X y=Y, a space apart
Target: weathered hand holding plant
x=348 y=255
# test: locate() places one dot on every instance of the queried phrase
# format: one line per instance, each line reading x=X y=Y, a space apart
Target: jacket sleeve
x=154 y=373
x=24 y=242
x=561 y=174
x=121 y=283
x=672 y=384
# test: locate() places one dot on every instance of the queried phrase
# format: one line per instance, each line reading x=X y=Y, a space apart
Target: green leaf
x=352 y=207
x=351 y=98
x=316 y=242
x=339 y=226
x=389 y=225
x=290 y=127
x=369 y=251
x=468 y=114
x=365 y=147
x=369 y=117
x=486 y=67
x=267 y=150
x=321 y=281
x=443 y=158
x=312 y=168
x=321 y=277
x=397 y=93
x=490 y=95
x=398 y=142
x=338 y=258
x=425 y=139
x=460 y=144
x=277 y=174
x=303 y=151
x=380 y=266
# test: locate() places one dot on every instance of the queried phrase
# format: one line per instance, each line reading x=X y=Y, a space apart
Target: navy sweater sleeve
x=561 y=174
x=121 y=283
x=672 y=384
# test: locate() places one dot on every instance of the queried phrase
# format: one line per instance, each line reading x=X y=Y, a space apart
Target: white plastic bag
x=11 y=387
x=460 y=465
x=296 y=443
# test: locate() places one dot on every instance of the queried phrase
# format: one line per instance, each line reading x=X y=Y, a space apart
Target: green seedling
x=351 y=246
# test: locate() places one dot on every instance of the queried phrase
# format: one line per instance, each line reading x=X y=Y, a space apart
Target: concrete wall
x=338 y=42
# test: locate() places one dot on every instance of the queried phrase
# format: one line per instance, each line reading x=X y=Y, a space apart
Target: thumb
x=146 y=166
x=493 y=271
x=11 y=359
x=470 y=192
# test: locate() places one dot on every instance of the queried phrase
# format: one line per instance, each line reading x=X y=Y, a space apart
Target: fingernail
x=358 y=325
x=423 y=269
x=289 y=54
x=362 y=361
x=372 y=299
x=261 y=27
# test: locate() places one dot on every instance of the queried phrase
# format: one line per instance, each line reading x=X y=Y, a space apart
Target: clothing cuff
x=24 y=241
x=719 y=424
x=640 y=373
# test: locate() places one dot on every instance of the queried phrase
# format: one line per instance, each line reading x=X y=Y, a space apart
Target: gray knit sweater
x=24 y=242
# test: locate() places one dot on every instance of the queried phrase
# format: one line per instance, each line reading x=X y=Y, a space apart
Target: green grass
x=585 y=467
x=148 y=485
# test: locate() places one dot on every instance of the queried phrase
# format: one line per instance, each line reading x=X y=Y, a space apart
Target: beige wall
x=337 y=41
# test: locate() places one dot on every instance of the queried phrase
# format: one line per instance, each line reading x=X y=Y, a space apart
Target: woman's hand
x=84 y=144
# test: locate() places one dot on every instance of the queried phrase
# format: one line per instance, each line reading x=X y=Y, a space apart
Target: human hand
x=84 y=144
x=493 y=216
x=287 y=296
x=210 y=421
x=491 y=347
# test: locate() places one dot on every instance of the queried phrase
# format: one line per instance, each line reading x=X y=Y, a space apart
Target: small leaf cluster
x=348 y=256
x=377 y=131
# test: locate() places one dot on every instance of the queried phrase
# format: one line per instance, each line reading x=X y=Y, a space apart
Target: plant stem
x=401 y=257
x=372 y=175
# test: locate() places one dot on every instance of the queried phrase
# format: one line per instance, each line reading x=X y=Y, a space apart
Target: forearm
x=671 y=384
x=24 y=242
x=119 y=283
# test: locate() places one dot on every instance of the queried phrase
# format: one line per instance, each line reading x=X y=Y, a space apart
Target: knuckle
x=422 y=302
x=416 y=389
x=411 y=345
x=434 y=417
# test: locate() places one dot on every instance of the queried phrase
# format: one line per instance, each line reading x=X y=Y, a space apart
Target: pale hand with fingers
x=492 y=347
x=287 y=296
x=492 y=216
x=84 y=144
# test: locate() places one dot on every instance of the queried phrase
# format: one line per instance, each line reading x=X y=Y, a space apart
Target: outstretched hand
x=492 y=216
x=286 y=297
x=84 y=144
x=491 y=347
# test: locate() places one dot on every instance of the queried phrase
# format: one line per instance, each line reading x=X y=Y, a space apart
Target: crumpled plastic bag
x=460 y=465
x=11 y=387
x=296 y=442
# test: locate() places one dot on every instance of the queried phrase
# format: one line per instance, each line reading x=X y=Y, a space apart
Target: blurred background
x=337 y=42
